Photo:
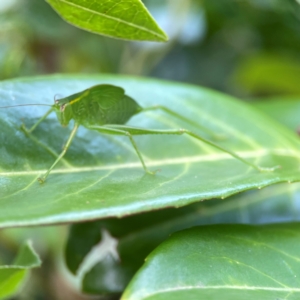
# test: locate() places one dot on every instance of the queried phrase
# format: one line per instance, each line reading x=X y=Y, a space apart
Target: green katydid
x=106 y=109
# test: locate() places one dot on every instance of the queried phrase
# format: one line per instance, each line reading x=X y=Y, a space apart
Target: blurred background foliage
x=247 y=48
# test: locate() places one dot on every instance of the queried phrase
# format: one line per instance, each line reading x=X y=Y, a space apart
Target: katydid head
x=63 y=111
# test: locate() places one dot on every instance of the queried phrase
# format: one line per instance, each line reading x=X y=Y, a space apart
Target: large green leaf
x=138 y=235
x=12 y=276
x=101 y=175
x=120 y=19
x=222 y=262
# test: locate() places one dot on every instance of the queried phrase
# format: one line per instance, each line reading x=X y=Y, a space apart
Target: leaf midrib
x=163 y=162
x=113 y=18
x=232 y=287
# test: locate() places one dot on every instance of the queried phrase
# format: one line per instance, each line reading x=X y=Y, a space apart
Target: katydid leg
x=28 y=133
x=141 y=131
x=66 y=147
x=184 y=119
x=115 y=131
x=38 y=122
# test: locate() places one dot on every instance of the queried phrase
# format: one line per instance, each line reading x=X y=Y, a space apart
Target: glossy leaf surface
x=138 y=235
x=222 y=262
x=120 y=19
x=101 y=176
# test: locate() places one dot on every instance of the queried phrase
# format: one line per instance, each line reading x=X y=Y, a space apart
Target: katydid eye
x=62 y=108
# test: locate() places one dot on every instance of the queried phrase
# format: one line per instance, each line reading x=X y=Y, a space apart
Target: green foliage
x=138 y=235
x=12 y=276
x=120 y=19
x=248 y=48
x=222 y=262
x=210 y=41
x=101 y=175
x=265 y=73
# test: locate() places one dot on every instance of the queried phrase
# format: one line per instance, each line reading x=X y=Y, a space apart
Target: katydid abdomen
x=94 y=112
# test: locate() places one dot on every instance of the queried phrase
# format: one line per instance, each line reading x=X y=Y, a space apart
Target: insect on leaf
x=101 y=175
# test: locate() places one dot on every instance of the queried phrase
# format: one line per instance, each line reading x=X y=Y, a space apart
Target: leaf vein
x=113 y=18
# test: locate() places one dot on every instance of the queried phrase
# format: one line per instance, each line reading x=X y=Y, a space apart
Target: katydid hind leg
x=141 y=131
x=115 y=131
x=66 y=147
x=211 y=133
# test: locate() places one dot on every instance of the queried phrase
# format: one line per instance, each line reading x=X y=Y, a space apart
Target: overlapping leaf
x=222 y=262
x=120 y=19
x=138 y=235
x=101 y=175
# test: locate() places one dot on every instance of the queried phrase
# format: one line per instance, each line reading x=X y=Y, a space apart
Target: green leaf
x=83 y=237
x=222 y=262
x=138 y=235
x=120 y=19
x=101 y=175
x=12 y=277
